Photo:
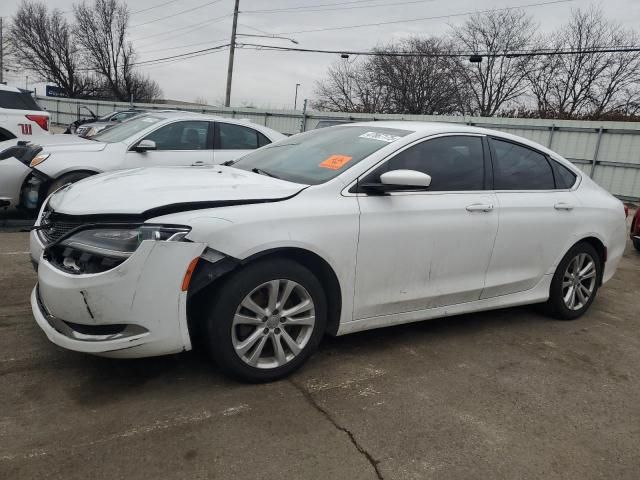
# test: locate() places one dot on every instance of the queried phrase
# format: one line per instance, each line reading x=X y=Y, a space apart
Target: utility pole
x=295 y=101
x=232 y=50
x=1 y=53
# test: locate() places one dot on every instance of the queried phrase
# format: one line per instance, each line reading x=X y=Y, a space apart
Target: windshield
x=124 y=130
x=318 y=156
x=106 y=117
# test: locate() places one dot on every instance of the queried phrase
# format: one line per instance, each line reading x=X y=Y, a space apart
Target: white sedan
x=29 y=172
x=333 y=231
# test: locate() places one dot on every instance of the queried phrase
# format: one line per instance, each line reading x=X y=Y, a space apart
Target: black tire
x=221 y=309
x=72 y=177
x=556 y=305
x=636 y=244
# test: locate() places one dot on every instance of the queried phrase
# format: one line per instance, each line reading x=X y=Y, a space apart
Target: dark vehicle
x=90 y=126
x=331 y=123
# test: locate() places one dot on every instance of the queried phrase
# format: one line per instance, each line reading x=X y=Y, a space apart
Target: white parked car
x=20 y=116
x=28 y=173
x=332 y=231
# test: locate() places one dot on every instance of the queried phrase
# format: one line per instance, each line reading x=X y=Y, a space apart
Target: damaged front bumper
x=137 y=309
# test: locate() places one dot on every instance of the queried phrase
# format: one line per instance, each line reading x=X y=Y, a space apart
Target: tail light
x=41 y=120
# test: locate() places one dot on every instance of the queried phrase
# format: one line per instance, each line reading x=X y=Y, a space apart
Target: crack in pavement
x=307 y=395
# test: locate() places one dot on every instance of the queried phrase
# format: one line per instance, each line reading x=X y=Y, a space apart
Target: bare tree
x=586 y=84
x=43 y=43
x=618 y=87
x=351 y=86
x=497 y=80
x=424 y=83
x=101 y=28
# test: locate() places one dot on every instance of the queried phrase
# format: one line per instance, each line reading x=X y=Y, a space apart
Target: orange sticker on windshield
x=334 y=162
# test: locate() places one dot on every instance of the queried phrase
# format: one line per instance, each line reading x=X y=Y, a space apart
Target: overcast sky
x=267 y=78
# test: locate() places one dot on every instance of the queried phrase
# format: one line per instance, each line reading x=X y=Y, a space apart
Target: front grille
x=51 y=230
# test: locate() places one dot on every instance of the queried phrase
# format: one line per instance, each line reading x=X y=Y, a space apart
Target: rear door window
x=520 y=168
x=238 y=137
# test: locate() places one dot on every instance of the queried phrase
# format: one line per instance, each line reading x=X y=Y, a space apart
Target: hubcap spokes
x=579 y=281
x=273 y=323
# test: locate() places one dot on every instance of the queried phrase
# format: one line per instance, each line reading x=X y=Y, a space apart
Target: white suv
x=20 y=115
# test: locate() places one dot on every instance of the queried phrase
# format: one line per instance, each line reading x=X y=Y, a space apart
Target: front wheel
x=575 y=283
x=266 y=320
x=72 y=177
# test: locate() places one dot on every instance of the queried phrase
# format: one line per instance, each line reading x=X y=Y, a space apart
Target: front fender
x=57 y=165
x=328 y=229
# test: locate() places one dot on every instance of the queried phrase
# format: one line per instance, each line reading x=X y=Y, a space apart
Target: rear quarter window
x=565 y=178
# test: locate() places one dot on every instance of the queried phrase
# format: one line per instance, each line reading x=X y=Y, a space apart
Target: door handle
x=479 y=207
x=563 y=206
x=199 y=163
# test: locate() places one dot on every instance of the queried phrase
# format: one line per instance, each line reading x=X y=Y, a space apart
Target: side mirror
x=406 y=178
x=144 y=146
x=398 y=181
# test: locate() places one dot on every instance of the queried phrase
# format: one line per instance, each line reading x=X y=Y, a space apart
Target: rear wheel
x=575 y=283
x=266 y=320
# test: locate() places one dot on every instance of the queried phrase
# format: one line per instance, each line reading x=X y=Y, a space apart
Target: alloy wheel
x=273 y=324
x=579 y=281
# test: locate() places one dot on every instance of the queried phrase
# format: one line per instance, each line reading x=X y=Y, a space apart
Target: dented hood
x=156 y=191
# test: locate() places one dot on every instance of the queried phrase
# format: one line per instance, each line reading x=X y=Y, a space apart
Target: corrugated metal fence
x=609 y=152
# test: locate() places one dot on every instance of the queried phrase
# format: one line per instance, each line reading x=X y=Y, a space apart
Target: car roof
x=183 y=115
x=177 y=114
x=421 y=127
x=435 y=128
x=7 y=88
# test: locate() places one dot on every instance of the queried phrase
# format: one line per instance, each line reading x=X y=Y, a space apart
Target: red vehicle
x=635 y=230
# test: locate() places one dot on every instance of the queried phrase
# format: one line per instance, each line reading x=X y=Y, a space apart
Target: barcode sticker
x=382 y=137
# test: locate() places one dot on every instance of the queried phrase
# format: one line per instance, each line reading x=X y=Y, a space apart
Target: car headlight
x=90 y=133
x=120 y=243
x=38 y=159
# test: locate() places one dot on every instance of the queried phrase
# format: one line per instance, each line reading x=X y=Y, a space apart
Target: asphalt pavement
x=507 y=394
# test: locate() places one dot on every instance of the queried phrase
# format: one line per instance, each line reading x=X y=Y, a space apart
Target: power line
x=254 y=28
x=182 y=46
x=161 y=64
x=204 y=50
x=511 y=54
x=381 y=53
x=304 y=7
x=438 y=17
x=190 y=28
x=169 y=58
x=176 y=13
x=309 y=9
x=155 y=6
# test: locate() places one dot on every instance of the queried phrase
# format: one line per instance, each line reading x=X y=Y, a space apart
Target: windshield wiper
x=228 y=163
x=264 y=172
